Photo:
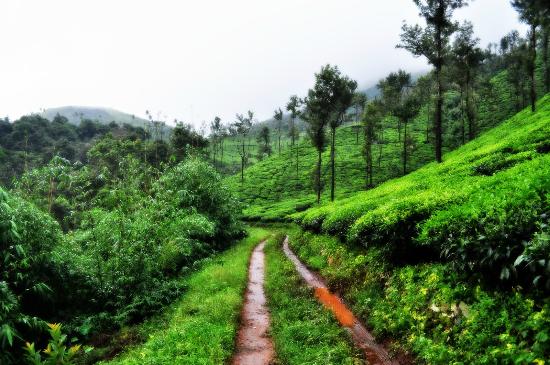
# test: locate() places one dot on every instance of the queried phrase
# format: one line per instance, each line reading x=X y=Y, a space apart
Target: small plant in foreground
x=57 y=351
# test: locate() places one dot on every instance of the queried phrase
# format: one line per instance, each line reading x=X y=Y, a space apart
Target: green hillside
x=451 y=262
x=274 y=187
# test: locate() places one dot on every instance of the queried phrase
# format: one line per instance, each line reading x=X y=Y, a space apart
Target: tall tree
x=466 y=60
x=343 y=91
x=264 y=142
x=325 y=105
x=530 y=13
x=242 y=128
x=278 y=116
x=215 y=136
x=359 y=101
x=293 y=106
x=371 y=120
x=432 y=42
x=392 y=88
x=406 y=110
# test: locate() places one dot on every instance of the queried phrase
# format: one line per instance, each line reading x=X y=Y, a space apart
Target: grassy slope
x=273 y=189
x=513 y=144
x=201 y=327
x=487 y=194
x=303 y=332
x=427 y=310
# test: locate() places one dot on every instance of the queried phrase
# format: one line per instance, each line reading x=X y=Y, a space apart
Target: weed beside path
x=201 y=327
x=303 y=331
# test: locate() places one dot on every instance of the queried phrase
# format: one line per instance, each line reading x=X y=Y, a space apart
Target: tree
x=278 y=115
x=359 y=101
x=530 y=12
x=466 y=60
x=391 y=89
x=325 y=105
x=406 y=110
x=514 y=51
x=242 y=128
x=215 y=136
x=432 y=42
x=293 y=106
x=264 y=142
x=343 y=91
x=371 y=120
x=184 y=139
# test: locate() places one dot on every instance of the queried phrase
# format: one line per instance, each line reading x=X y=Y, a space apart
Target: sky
x=193 y=60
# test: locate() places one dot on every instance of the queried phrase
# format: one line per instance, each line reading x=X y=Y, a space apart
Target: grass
x=303 y=331
x=201 y=327
x=274 y=188
x=427 y=310
x=479 y=205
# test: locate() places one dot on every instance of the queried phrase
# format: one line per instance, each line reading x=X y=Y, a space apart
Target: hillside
x=451 y=262
x=274 y=187
x=103 y=115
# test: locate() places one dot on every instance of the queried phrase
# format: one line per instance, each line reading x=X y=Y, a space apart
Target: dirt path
x=254 y=347
x=374 y=353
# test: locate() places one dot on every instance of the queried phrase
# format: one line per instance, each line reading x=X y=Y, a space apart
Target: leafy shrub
x=27 y=237
x=56 y=351
x=487 y=233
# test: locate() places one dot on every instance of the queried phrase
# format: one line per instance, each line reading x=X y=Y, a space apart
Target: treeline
x=32 y=141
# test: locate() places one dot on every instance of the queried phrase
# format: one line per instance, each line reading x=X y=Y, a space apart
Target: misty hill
x=103 y=115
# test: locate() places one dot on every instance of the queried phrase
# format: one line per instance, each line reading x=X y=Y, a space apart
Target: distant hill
x=103 y=115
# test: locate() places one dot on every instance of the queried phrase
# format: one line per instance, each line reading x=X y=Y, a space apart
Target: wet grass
x=201 y=327
x=303 y=331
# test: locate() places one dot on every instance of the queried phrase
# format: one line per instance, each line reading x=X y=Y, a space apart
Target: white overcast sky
x=193 y=60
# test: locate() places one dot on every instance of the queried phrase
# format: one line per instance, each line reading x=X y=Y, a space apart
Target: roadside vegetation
x=303 y=331
x=200 y=327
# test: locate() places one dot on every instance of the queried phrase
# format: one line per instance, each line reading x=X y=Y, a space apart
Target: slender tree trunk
x=405 y=148
x=368 y=152
x=221 y=157
x=242 y=163
x=332 y=167
x=438 y=128
x=470 y=113
x=297 y=156
x=279 y=140
x=545 y=36
x=438 y=122
x=318 y=177
x=462 y=116
x=532 y=70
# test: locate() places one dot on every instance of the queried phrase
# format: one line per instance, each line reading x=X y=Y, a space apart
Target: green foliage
x=303 y=332
x=56 y=352
x=428 y=309
x=201 y=327
x=27 y=237
x=490 y=191
x=130 y=250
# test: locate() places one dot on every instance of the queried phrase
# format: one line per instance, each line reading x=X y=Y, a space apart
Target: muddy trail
x=375 y=354
x=254 y=346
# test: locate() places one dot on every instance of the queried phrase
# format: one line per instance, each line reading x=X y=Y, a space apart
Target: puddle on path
x=375 y=354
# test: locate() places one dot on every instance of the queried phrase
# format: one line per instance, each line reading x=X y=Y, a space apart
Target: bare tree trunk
x=470 y=113
x=438 y=123
x=242 y=163
x=405 y=148
x=532 y=70
x=318 y=177
x=438 y=128
x=545 y=36
x=332 y=167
